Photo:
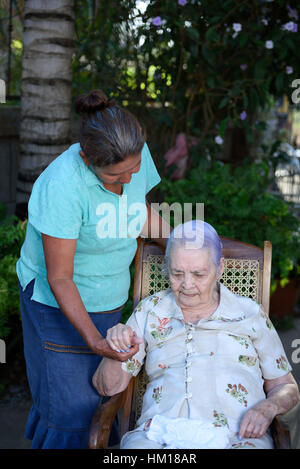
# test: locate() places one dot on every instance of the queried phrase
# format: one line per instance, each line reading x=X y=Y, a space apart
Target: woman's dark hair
x=108 y=132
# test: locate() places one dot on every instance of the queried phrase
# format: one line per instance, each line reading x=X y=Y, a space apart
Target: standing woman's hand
x=115 y=345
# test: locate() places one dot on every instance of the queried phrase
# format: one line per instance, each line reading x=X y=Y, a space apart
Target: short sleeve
x=151 y=174
x=272 y=357
x=55 y=208
x=137 y=324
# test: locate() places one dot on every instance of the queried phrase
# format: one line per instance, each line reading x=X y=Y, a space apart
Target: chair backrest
x=247 y=272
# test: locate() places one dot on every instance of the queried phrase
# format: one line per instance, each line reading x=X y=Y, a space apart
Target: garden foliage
x=187 y=65
x=12 y=235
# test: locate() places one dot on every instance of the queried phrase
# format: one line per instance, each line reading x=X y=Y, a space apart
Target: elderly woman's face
x=193 y=276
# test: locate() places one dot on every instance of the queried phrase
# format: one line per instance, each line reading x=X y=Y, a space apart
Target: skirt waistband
x=110 y=311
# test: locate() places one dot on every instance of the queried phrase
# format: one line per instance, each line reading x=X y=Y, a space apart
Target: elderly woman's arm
x=109 y=378
x=282 y=395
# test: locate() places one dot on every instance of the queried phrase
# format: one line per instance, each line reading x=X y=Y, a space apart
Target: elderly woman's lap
x=137 y=439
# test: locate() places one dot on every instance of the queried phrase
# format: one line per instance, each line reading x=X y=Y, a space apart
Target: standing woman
x=84 y=215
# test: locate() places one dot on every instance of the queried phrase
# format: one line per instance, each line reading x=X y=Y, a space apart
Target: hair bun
x=90 y=103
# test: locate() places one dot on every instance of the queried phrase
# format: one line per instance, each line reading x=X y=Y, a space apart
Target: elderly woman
x=214 y=360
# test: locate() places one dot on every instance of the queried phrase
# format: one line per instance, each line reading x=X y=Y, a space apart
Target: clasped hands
x=121 y=343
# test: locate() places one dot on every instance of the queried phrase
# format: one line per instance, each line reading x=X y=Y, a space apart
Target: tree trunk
x=45 y=129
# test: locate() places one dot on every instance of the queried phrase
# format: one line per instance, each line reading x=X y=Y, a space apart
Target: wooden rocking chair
x=247 y=272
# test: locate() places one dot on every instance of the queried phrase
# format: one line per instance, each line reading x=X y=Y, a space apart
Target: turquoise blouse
x=69 y=201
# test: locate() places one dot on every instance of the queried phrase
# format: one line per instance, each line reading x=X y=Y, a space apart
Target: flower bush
x=190 y=66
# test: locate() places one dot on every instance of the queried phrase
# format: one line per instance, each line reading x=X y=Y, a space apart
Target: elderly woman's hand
x=121 y=338
x=257 y=420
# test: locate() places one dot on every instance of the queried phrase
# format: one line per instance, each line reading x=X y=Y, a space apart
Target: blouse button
x=188 y=396
x=190 y=336
x=189 y=380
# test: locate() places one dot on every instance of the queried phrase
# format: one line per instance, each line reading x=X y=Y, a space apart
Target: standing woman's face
x=119 y=173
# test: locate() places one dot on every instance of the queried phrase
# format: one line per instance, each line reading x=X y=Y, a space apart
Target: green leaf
x=260 y=69
x=211 y=81
x=211 y=35
x=253 y=99
x=194 y=34
x=223 y=127
x=208 y=55
x=223 y=102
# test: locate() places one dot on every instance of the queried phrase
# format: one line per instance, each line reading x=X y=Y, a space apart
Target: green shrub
x=12 y=235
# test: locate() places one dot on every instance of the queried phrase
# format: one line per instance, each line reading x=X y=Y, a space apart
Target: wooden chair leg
x=103 y=420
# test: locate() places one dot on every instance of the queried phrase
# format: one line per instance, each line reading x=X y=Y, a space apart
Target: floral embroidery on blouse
x=161 y=332
x=282 y=363
x=163 y=366
x=241 y=318
x=264 y=315
x=147 y=424
x=154 y=299
x=247 y=360
x=132 y=365
x=220 y=419
x=157 y=393
x=238 y=392
x=239 y=339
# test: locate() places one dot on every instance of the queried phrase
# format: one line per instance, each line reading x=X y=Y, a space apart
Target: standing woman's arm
x=59 y=257
x=156 y=228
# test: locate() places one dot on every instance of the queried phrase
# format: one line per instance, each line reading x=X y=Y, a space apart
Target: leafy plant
x=191 y=66
x=12 y=235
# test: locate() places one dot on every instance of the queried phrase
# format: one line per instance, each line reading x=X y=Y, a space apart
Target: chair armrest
x=287 y=427
x=103 y=420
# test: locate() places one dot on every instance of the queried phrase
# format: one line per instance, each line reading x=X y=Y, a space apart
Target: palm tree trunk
x=45 y=129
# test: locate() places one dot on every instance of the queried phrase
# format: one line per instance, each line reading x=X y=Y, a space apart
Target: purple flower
x=243 y=115
x=237 y=27
x=182 y=2
x=289 y=70
x=295 y=28
x=292 y=13
x=243 y=67
x=157 y=21
x=218 y=140
x=290 y=26
x=269 y=44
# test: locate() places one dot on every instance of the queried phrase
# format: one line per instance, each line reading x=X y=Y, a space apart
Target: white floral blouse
x=212 y=370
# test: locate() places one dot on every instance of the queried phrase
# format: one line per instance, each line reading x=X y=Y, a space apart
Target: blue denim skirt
x=59 y=368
